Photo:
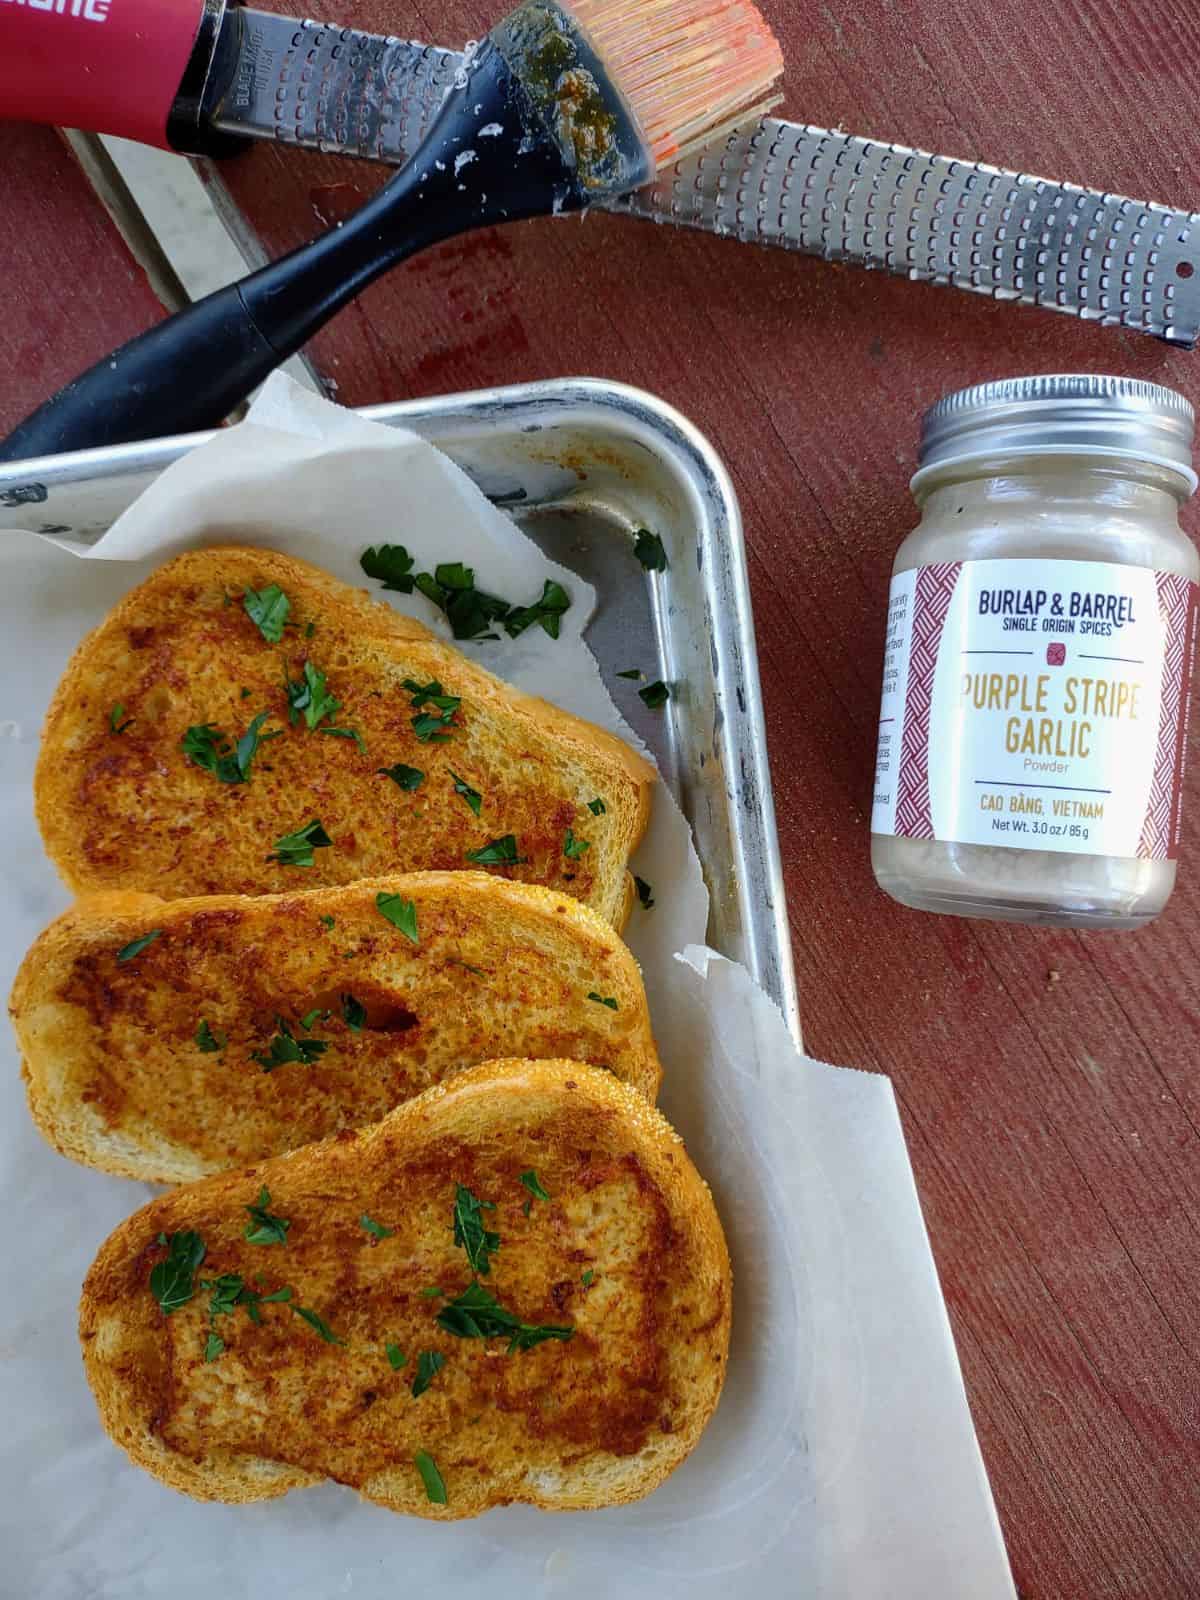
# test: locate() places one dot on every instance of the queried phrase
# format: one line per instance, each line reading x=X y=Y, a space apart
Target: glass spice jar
x=1040 y=638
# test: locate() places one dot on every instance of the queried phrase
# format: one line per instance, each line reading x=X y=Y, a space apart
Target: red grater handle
x=110 y=66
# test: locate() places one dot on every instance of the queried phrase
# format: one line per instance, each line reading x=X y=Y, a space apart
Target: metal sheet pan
x=581 y=464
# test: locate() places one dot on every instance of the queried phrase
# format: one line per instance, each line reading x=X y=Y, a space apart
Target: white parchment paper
x=841 y=1464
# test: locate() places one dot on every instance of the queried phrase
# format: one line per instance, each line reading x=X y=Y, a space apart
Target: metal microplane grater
x=1126 y=263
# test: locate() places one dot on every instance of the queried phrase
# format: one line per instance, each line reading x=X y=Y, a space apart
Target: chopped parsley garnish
x=453 y=961
x=429 y=1364
x=244 y=694
x=326 y=920
x=173 y=1281
x=347 y=733
x=476 y=1314
x=431 y=1293
x=136 y=946
x=296 y=849
x=213 y=1346
x=396 y=1356
x=251 y=1299
x=547 y=612
x=497 y=853
x=430 y=726
x=309 y=629
x=435 y=1489
x=403 y=777
x=228 y=1292
x=309 y=1017
x=375 y=1229
x=469 y=1231
x=597 y=807
x=354 y=1013
x=285 y=1047
x=263 y=1227
x=655 y=694
x=207 y=747
x=117 y=720
x=532 y=1183
x=391 y=564
x=469 y=611
x=247 y=746
x=308 y=693
x=208 y=1041
x=604 y=1000
x=401 y=913
x=454 y=575
x=645 y=893
x=472 y=796
x=451 y=587
x=648 y=548
x=431 y=694
x=318 y=1322
x=268 y=609
x=587 y=1277
x=573 y=848
x=633 y=672
x=452 y=580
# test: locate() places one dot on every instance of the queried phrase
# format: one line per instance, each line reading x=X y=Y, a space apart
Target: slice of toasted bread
x=160 y=1066
x=131 y=810
x=600 y=1228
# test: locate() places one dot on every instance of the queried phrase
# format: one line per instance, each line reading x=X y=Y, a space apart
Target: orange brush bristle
x=688 y=68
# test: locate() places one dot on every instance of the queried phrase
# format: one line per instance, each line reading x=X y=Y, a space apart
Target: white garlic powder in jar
x=1040 y=638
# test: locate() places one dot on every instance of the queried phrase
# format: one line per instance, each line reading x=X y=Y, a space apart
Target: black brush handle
x=192 y=370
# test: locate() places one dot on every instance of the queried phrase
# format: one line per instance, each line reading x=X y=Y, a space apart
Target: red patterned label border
x=931 y=603
x=1176 y=608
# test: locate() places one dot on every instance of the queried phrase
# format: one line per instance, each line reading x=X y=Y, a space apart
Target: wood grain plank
x=1047 y=1080
x=72 y=290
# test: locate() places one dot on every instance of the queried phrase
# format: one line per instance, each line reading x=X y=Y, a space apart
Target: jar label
x=1036 y=704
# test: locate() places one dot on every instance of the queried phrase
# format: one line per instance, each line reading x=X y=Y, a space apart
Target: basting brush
x=559 y=106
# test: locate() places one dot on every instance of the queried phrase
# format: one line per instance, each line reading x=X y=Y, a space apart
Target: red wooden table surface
x=1048 y=1081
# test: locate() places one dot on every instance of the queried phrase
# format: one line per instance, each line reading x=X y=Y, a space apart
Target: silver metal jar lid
x=1077 y=414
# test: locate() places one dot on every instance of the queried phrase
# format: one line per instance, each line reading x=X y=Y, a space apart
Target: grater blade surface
x=1103 y=257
